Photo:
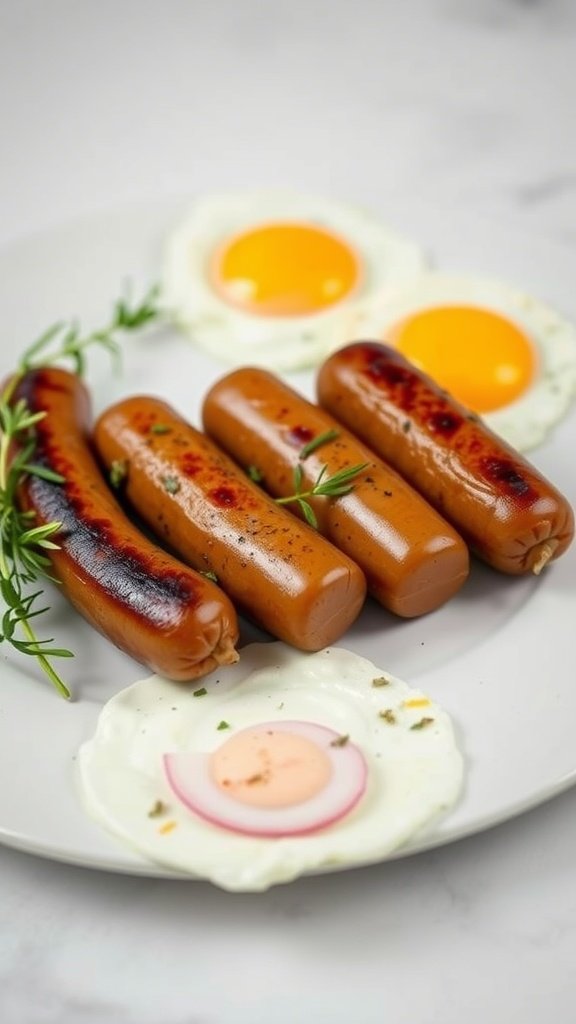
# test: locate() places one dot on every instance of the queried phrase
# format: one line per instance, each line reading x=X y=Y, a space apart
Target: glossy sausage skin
x=412 y=559
x=508 y=513
x=277 y=570
x=146 y=602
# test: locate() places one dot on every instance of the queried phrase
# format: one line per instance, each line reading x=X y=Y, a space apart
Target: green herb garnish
x=200 y=693
x=422 y=724
x=118 y=472
x=64 y=341
x=340 y=741
x=158 y=808
x=331 y=487
x=223 y=725
x=24 y=547
x=255 y=474
x=317 y=442
x=388 y=716
x=171 y=484
x=209 y=574
x=381 y=681
x=160 y=428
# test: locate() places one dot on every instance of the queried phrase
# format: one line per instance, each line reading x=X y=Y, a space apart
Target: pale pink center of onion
x=270 y=769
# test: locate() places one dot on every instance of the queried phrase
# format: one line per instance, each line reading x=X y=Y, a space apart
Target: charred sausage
x=412 y=559
x=510 y=515
x=277 y=570
x=146 y=602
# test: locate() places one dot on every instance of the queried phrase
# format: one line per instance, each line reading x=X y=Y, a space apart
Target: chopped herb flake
x=255 y=474
x=160 y=428
x=223 y=725
x=157 y=809
x=381 y=681
x=406 y=426
x=118 y=472
x=171 y=484
x=200 y=693
x=422 y=724
x=254 y=779
x=388 y=716
x=340 y=741
x=210 y=575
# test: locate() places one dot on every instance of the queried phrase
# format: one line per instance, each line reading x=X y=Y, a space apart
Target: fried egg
x=277 y=279
x=282 y=764
x=500 y=352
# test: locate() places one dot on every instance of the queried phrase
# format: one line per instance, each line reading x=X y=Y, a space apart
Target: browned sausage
x=412 y=559
x=286 y=577
x=509 y=514
x=150 y=605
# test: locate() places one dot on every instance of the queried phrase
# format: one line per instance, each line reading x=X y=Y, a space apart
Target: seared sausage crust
x=145 y=601
x=277 y=570
x=509 y=514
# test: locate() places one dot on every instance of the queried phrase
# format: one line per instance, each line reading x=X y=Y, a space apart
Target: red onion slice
x=189 y=776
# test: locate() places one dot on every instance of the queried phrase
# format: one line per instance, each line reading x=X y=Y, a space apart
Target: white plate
x=499 y=656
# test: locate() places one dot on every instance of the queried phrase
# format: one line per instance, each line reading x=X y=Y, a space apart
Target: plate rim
x=564 y=782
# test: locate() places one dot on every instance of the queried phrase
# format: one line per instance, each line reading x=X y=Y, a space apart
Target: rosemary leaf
x=317 y=442
x=308 y=513
x=43 y=472
x=341 y=482
x=298 y=475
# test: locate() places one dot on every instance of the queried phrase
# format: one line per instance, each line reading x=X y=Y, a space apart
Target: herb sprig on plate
x=24 y=547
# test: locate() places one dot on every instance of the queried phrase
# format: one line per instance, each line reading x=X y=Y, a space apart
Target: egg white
x=275 y=342
x=414 y=774
x=525 y=422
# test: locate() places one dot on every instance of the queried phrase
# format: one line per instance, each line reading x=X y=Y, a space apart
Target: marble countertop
x=464 y=103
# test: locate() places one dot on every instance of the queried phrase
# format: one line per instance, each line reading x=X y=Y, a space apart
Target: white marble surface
x=465 y=103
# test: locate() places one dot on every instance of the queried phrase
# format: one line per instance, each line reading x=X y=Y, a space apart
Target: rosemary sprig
x=64 y=341
x=332 y=487
x=25 y=547
x=317 y=442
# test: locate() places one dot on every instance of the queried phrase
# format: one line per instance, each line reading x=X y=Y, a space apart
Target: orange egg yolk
x=271 y=769
x=284 y=270
x=480 y=357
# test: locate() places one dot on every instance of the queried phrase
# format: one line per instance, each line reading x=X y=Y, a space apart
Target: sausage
x=146 y=602
x=275 y=569
x=412 y=559
x=511 y=516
